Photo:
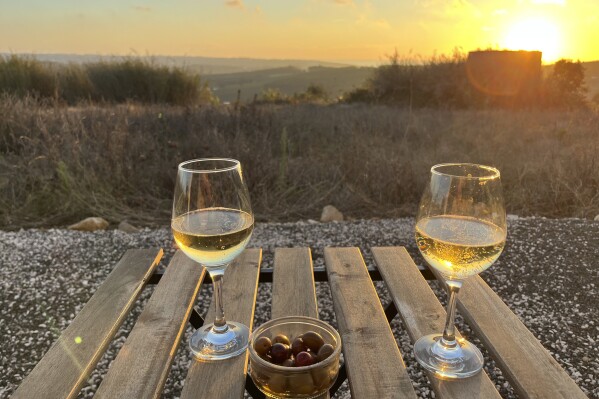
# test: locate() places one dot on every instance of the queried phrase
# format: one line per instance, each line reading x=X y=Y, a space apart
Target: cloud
x=142 y=8
x=234 y=3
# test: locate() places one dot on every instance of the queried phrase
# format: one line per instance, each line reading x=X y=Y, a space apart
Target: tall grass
x=58 y=164
x=115 y=81
x=23 y=76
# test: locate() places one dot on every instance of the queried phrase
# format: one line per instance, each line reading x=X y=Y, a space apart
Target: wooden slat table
x=373 y=362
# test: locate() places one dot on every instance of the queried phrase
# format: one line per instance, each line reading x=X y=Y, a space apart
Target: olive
x=277 y=383
x=304 y=359
x=298 y=346
x=279 y=352
x=262 y=346
x=314 y=356
x=301 y=384
x=325 y=351
x=321 y=377
x=288 y=363
x=313 y=340
x=281 y=339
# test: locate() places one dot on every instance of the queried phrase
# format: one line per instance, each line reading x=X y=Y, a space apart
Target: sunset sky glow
x=333 y=30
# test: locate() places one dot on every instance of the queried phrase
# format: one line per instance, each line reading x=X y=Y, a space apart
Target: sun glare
x=535 y=34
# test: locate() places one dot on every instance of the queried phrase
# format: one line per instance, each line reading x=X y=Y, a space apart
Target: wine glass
x=460 y=231
x=212 y=224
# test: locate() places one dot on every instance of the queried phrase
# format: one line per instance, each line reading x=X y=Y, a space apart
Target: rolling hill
x=287 y=80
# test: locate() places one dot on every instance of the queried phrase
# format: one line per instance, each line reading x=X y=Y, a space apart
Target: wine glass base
x=462 y=361
x=207 y=345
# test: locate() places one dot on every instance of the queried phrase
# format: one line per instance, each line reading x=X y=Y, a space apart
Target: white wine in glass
x=212 y=223
x=459 y=246
x=212 y=236
x=460 y=231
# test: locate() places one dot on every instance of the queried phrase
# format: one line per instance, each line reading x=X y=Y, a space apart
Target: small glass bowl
x=277 y=381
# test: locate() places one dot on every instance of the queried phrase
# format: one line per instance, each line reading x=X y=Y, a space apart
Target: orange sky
x=341 y=30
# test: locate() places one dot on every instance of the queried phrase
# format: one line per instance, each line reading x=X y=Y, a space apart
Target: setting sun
x=535 y=34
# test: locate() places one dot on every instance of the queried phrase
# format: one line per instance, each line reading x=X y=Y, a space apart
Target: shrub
x=129 y=79
x=273 y=96
x=23 y=76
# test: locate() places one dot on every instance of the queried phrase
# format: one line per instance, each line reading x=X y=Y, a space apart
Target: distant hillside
x=288 y=80
x=201 y=65
x=336 y=80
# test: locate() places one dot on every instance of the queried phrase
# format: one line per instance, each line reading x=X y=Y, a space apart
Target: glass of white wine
x=460 y=231
x=212 y=224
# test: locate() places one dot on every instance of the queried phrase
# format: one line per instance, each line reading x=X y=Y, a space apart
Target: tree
x=566 y=85
x=315 y=93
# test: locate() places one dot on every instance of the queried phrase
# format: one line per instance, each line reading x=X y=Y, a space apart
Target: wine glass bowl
x=212 y=223
x=460 y=231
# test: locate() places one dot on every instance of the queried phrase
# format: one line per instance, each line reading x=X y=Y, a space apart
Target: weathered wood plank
x=374 y=364
x=142 y=365
x=65 y=367
x=225 y=379
x=293 y=292
x=423 y=314
x=531 y=370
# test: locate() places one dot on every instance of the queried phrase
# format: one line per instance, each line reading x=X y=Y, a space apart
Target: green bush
x=74 y=84
x=273 y=96
x=128 y=79
x=315 y=93
x=23 y=76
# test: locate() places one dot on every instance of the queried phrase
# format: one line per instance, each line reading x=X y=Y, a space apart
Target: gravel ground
x=547 y=274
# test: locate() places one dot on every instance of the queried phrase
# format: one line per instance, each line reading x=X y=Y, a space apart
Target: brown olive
x=313 y=340
x=279 y=352
x=277 y=383
x=301 y=384
x=298 y=346
x=325 y=351
x=281 y=339
x=304 y=359
x=262 y=345
x=321 y=377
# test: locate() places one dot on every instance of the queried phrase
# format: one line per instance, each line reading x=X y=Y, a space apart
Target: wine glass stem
x=220 y=324
x=453 y=287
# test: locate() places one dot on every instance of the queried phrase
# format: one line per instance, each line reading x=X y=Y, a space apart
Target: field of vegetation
x=60 y=163
x=289 y=80
x=104 y=139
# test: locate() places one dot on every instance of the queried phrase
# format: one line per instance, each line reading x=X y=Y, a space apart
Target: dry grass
x=58 y=164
